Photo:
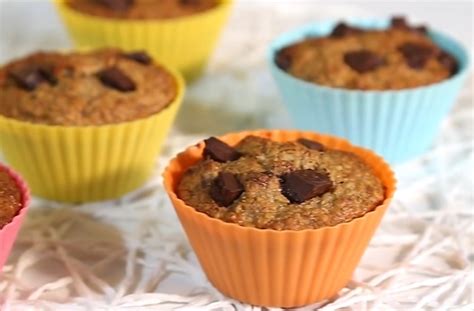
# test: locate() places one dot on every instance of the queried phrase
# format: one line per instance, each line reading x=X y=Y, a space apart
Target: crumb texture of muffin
x=399 y=57
x=142 y=9
x=10 y=198
x=80 y=89
x=282 y=186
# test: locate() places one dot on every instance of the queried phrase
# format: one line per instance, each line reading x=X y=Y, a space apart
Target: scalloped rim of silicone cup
x=177 y=100
x=25 y=195
x=318 y=29
x=390 y=187
x=222 y=5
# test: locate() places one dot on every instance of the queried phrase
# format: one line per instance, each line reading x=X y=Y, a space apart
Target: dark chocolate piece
x=27 y=78
x=342 y=30
x=140 y=57
x=311 y=144
x=225 y=189
x=363 y=61
x=116 y=79
x=448 y=61
x=283 y=60
x=219 y=151
x=416 y=55
x=302 y=185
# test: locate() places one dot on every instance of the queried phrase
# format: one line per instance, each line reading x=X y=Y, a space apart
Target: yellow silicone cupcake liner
x=87 y=163
x=184 y=42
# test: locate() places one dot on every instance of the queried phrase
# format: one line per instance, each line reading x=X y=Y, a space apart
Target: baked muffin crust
x=10 y=198
x=399 y=57
x=259 y=196
x=80 y=89
x=142 y=9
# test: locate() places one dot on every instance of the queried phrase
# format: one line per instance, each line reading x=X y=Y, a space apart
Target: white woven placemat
x=131 y=254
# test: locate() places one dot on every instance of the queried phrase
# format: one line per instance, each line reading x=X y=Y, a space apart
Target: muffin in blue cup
x=391 y=96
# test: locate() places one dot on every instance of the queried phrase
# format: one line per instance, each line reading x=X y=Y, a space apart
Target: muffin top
x=399 y=57
x=142 y=9
x=10 y=198
x=292 y=185
x=80 y=89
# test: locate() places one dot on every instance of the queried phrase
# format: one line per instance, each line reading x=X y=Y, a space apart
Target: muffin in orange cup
x=266 y=258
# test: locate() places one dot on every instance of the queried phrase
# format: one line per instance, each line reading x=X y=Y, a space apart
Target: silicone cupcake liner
x=9 y=232
x=87 y=163
x=277 y=268
x=184 y=42
x=399 y=125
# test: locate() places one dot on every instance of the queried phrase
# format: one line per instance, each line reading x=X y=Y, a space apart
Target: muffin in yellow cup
x=86 y=126
x=184 y=41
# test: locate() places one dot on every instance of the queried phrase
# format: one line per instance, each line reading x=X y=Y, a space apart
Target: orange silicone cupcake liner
x=278 y=268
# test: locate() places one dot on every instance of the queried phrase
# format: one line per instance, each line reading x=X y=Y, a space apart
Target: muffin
x=180 y=33
x=90 y=123
x=260 y=256
x=14 y=203
x=280 y=185
x=382 y=84
x=80 y=89
x=350 y=57
x=142 y=9
x=10 y=198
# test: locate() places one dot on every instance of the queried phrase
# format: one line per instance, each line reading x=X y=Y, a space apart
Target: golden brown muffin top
x=79 y=89
x=283 y=186
x=10 y=198
x=142 y=9
x=399 y=57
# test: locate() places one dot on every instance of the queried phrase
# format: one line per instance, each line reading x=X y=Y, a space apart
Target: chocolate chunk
x=48 y=75
x=342 y=30
x=225 y=189
x=117 y=5
x=363 y=61
x=140 y=57
x=416 y=55
x=283 y=60
x=219 y=151
x=116 y=79
x=27 y=78
x=311 y=144
x=448 y=62
x=189 y=2
x=398 y=22
x=421 y=29
x=302 y=185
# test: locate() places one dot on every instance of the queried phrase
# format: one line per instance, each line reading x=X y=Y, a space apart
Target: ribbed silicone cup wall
x=184 y=43
x=399 y=125
x=278 y=268
x=9 y=232
x=87 y=163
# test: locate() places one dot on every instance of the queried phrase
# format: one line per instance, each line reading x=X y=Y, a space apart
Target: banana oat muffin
x=142 y=9
x=10 y=198
x=399 y=57
x=283 y=186
x=80 y=89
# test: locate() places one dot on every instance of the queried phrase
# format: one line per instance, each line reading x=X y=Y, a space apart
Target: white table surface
x=131 y=254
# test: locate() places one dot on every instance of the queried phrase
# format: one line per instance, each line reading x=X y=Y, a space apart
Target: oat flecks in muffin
x=339 y=188
x=142 y=9
x=10 y=198
x=78 y=89
x=399 y=57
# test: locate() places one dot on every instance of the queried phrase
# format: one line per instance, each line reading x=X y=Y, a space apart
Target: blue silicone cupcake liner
x=399 y=125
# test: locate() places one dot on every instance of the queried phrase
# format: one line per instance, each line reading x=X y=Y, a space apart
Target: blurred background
x=27 y=25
